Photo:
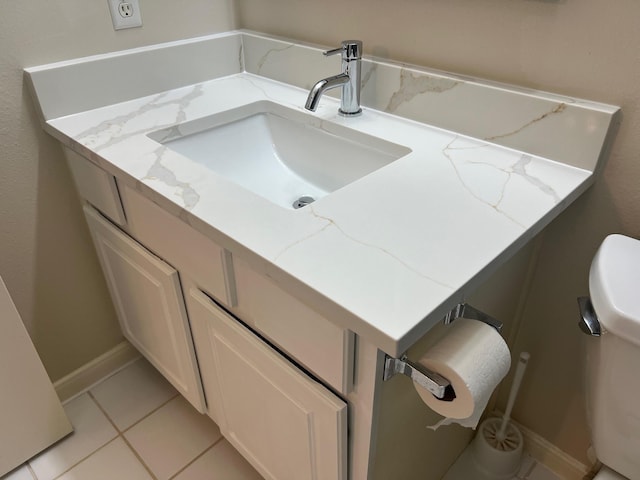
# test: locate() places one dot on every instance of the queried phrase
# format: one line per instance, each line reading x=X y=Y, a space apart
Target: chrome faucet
x=349 y=80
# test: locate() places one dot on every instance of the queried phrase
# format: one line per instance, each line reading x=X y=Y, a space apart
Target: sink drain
x=303 y=201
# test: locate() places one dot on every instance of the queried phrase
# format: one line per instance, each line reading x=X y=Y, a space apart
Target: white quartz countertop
x=390 y=252
x=385 y=256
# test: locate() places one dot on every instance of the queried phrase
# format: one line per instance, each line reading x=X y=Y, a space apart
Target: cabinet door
x=148 y=300
x=287 y=425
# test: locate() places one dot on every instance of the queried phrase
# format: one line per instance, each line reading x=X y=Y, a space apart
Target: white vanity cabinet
x=148 y=299
x=287 y=425
x=170 y=286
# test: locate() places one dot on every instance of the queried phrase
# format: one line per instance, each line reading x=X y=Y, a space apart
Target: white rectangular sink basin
x=279 y=153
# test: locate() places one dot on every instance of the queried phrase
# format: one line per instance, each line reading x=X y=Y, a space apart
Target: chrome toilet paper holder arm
x=433 y=382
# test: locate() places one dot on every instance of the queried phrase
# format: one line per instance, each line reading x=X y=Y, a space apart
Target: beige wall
x=583 y=48
x=46 y=256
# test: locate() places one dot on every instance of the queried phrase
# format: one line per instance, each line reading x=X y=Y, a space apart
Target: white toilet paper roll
x=474 y=357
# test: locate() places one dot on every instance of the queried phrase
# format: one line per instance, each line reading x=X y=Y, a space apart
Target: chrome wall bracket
x=435 y=383
x=464 y=310
x=439 y=386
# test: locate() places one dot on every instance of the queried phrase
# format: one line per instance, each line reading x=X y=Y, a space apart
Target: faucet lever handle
x=350 y=50
x=333 y=51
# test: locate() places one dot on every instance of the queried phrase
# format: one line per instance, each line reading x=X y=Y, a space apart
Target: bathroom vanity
x=275 y=320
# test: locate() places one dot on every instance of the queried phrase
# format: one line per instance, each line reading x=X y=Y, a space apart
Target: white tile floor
x=135 y=426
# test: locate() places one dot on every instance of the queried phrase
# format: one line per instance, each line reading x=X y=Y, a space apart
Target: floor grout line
x=85 y=458
x=90 y=395
x=150 y=413
x=104 y=412
x=210 y=447
x=140 y=459
x=31 y=471
x=122 y=432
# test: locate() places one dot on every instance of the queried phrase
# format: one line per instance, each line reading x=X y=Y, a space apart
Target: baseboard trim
x=82 y=379
x=552 y=457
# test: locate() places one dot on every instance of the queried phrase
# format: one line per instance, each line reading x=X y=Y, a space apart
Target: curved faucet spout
x=322 y=86
x=349 y=80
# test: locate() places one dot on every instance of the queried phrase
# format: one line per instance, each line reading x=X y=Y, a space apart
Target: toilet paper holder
x=435 y=383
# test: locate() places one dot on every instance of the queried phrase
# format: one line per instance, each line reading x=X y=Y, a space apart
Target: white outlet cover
x=120 y=22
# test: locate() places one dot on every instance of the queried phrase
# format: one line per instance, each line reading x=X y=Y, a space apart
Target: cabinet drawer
x=96 y=186
x=148 y=299
x=319 y=345
x=193 y=254
x=286 y=425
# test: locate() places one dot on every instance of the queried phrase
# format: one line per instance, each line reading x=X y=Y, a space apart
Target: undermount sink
x=279 y=153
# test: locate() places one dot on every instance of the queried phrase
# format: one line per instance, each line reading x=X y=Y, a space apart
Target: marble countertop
x=385 y=256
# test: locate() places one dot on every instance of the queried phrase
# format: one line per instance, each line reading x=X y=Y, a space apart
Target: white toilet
x=613 y=359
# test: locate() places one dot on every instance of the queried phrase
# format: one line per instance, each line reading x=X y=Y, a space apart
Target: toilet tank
x=613 y=360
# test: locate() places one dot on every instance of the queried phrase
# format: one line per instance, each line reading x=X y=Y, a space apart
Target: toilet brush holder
x=497 y=459
x=497 y=447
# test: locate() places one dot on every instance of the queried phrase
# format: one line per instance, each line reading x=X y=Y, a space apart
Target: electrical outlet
x=125 y=9
x=125 y=14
